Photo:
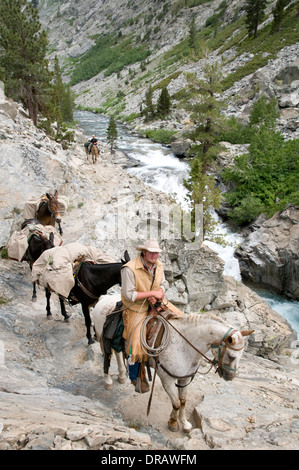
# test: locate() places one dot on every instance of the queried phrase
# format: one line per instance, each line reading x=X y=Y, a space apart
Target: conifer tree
x=23 y=47
x=208 y=121
x=163 y=105
x=68 y=104
x=62 y=98
x=112 y=133
x=57 y=95
x=278 y=14
x=205 y=113
x=192 y=35
x=149 y=111
x=255 y=10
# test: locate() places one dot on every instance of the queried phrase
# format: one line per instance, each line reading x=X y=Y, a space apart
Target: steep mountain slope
x=112 y=53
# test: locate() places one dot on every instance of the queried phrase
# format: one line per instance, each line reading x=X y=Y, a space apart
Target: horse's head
x=54 y=208
x=37 y=244
x=227 y=352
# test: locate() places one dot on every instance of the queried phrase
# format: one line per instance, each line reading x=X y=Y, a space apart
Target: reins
x=187 y=341
x=222 y=346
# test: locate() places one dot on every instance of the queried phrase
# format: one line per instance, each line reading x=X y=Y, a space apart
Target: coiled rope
x=150 y=350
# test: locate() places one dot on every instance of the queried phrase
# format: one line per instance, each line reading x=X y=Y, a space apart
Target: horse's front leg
x=172 y=391
x=108 y=382
x=122 y=377
x=87 y=318
x=187 y=426
x=48 y=307
x=62 y=309
x=34 y=292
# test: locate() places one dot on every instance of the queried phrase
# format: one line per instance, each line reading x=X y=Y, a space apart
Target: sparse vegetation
x=108 y=55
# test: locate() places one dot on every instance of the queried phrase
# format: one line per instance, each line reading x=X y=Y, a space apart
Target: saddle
x=78 y=263
x=155 y=329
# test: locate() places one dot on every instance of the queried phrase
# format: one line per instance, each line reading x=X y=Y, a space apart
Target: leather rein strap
x=221 y=345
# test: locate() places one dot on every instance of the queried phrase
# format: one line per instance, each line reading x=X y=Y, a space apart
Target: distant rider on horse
x=93 y=141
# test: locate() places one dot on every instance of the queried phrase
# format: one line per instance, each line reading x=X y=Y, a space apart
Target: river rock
x=269 y=256
x=180 y=144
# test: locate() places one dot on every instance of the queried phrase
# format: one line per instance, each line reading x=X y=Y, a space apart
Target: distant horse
x=189 y=338
x=91 y=282
x=37 y=244
x=94 y=153
x=48 y=212
x=86 y=147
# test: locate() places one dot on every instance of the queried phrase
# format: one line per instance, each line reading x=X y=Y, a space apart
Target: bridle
x=47 y=201
x=225 y=343
x=51 y=211
x=222 y=346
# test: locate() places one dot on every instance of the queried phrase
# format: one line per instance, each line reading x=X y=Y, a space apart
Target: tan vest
x=143 y=282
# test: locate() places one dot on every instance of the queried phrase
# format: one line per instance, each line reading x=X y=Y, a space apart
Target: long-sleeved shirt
x=128 y=282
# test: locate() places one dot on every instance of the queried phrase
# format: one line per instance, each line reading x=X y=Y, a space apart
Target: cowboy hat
x=150 y=245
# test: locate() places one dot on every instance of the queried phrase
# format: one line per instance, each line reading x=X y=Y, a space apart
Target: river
x=163 y=171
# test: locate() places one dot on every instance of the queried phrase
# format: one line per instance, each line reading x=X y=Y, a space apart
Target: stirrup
x=142 y=385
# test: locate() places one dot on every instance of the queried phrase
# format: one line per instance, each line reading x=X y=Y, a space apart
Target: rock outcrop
x=269 y=256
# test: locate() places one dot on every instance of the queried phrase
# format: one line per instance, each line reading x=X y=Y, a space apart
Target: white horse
x=189 y=338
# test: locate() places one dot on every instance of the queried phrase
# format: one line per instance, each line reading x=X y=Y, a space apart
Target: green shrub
x=161 y=136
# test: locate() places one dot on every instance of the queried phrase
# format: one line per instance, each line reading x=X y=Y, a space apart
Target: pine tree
x=163 y=105
x=205 y=113
x=149 y=111
x=68 y=104
x=112 y=133
x=192 y=35
x=255 y=10
x=278 y=14
x=23 y=48
x=62 y=97
x=57 y=95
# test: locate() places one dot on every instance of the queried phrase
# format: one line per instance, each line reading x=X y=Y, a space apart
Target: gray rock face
x=269 y=256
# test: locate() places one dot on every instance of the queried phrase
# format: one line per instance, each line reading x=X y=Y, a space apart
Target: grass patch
x=161 y=136
x=4 y=253
x=110 y=55
x=3 y=300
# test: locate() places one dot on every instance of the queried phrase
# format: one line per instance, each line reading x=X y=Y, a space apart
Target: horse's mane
x=196 y=318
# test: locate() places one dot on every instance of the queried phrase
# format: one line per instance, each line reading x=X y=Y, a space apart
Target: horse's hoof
x=49 y=317
x=108 y=386
x=173 y=426
x=122 y=381
x=90 y=341
x=34 y=299
x=66 y=318
x=188 y=428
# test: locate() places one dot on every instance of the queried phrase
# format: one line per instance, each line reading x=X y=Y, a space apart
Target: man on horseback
x=143 y=284
x=93 y=141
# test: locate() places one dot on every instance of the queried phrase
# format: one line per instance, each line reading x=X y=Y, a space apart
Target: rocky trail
x=52 y=392
x=53 y=397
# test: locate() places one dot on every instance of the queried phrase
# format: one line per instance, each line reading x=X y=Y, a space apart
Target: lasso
x=151 y=351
